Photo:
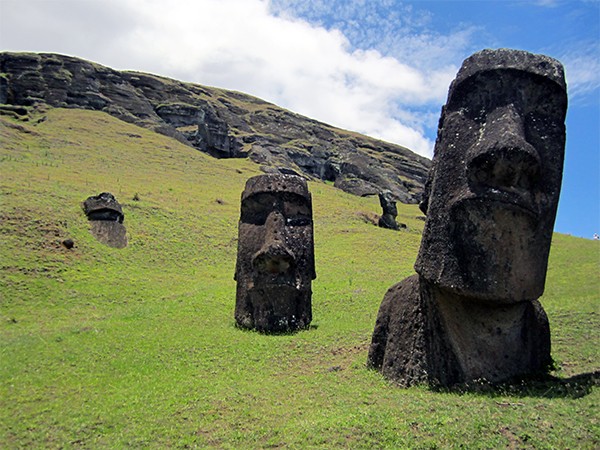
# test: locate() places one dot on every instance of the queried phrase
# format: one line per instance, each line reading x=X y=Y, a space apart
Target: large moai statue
x=275 y=261
x=471 y=312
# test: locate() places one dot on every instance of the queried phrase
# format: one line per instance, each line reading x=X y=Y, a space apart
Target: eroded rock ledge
x=224 y=124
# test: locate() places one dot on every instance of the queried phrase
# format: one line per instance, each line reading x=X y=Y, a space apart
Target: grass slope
x=137 y=347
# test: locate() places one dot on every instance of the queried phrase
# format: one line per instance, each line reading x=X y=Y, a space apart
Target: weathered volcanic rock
x=275 y=261
x=224 y=124
x=390 y=212
x=472 y=311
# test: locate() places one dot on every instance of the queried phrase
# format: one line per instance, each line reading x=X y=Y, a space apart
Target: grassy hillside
x=137 y=347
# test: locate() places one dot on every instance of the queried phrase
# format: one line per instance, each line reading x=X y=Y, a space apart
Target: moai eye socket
x=256 y=209
x=296 y=211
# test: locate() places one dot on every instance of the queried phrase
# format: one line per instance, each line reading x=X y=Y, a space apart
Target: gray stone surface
x=103 y=206
x=390 y=211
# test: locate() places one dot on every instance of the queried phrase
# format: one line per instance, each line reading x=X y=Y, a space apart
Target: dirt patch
x=32 y=232
x=514 y=442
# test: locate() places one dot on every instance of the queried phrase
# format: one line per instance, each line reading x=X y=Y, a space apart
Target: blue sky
x=380 y=67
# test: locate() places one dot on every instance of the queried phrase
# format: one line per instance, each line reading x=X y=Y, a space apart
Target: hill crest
x=222 y=123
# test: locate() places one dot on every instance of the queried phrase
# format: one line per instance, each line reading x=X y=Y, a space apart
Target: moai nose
x=274 y=257
x=502 y=158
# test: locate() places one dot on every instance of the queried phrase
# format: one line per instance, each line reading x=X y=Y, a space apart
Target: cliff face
x=224 y=124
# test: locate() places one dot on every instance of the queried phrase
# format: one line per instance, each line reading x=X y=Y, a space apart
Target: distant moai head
x=106 y=218
x=275 y=260
x=388 y=203
x=493 y=188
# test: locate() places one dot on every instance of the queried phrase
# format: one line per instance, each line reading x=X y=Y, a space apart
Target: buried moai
x=275 y=261
x=471 y=312
x=106 y=217
x=390 y=212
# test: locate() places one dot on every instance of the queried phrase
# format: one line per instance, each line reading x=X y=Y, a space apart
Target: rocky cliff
x=225 y=124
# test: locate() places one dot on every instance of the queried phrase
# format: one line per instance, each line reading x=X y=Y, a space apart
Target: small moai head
x=388 y=203
x=106 y=218
x=492 y=192
x=275 y=261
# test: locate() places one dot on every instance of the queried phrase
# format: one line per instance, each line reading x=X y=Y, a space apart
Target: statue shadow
x=278 y=332
x=545 y=386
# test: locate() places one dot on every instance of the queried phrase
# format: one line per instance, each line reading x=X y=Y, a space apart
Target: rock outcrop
x=224 y=124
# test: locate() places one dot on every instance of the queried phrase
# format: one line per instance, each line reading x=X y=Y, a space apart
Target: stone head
x=275 y=261
x=388 y=203
x=493 y=189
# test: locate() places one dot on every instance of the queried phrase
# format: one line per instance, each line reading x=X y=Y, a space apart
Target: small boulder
x=68 y=243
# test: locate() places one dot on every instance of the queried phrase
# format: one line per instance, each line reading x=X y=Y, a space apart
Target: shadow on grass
x=276 y=333
x=546 y=386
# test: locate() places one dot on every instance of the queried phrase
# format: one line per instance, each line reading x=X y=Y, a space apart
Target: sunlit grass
x=137 y=347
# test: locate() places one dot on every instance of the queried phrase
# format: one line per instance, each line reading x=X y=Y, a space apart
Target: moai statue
x=471 y=312
x=390 y=212
x=106 y=217
x=275 y=261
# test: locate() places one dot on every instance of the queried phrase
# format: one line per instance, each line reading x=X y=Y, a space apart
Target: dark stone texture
x=408 y=344
x=424 y=336
x=356 y=186
x=491 y=197
x=68 y=243
x=224 y=124
x=275 y=261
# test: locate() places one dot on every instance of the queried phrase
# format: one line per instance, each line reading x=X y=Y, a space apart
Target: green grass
x=137 y=347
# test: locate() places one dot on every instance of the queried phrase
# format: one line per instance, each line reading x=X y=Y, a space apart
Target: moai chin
x=275 y=261
x=490 y=200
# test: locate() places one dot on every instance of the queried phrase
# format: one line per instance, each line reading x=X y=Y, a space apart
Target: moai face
x=388 y=203
x=493 y=189
x=275 y=261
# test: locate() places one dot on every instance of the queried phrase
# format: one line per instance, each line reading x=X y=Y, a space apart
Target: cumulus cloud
x=88 y=29
x=244 y=45
x=307 y=68
x=582 y=70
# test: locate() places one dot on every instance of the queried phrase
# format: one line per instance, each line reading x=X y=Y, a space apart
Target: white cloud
x=582 y=70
